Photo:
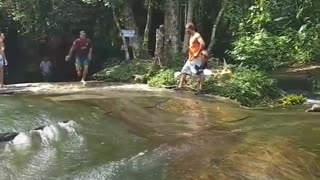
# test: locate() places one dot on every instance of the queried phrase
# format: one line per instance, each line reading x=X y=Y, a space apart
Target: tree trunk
x=147 y=28
x=124 y=42
x=171 y=25
x=130 y=24
x=159 y=50
x=190 y=6
x=215 y=25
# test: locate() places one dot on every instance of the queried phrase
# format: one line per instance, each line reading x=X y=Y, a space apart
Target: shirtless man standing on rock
x=194 y=63
x=82 y=47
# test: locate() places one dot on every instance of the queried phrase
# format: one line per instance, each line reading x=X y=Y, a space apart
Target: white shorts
x=192 y=67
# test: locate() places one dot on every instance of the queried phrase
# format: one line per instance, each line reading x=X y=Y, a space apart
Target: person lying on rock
x=194 y=62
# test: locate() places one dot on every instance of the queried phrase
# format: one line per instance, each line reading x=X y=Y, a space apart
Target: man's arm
x=72 y=49
x=201 y=41
x=3 y=53
x=90 y=53
x=68 y=57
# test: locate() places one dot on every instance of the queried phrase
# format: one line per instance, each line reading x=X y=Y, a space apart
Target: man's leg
x=79 y=69
x=182 y=80
x=1 y=76
x=49 y=75
x=84 y=74
x=198 y=69
x=184 y=72
x=85 y=71
x=201 y=81
x=78 y=65
x=44 y=78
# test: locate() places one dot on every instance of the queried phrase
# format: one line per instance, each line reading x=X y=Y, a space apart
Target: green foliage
x=124 y=72
x=258 y=17
x=108 y=3
x=293 y=99
x=175 y=61
x=46 y=15
x=153 y=71
x=249 y=87
x=214 y=87
x=163 y=78
x=277 y=33
x=263 y=50
x=266 y=51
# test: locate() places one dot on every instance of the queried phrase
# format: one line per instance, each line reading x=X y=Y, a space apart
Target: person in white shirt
x=45 y=67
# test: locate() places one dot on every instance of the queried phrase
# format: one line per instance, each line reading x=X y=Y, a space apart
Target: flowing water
x=137 y=136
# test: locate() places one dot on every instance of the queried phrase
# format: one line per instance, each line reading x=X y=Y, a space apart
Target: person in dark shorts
x=82 y=47
x=200 y=71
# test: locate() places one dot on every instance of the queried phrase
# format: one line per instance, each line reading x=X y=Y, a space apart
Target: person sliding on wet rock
x=82 y=47
x=193 y=65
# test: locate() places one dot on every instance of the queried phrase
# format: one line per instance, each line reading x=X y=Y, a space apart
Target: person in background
x=82 y=47
x=3 y=60
x=194 y=62
x=46 y=67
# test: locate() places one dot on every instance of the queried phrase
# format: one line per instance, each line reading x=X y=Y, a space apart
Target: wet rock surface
x=224 y=141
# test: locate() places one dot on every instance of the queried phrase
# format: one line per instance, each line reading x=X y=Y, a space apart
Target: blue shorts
x=82 y=61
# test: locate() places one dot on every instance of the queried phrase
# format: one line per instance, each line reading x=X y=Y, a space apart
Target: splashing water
x=22 y=140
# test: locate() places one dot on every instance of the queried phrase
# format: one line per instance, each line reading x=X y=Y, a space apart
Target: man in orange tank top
x=193 y=65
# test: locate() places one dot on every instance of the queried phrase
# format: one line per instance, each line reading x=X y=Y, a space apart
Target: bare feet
x=83 y=82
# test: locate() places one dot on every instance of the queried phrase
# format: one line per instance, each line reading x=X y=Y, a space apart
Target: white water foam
x=143 y=161
x=69 y=126
x=40 y=158
x=39 y=164
x=22 y=140
x=48 y=134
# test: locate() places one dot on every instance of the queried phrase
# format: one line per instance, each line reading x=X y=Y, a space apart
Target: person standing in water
x=82 y=47
x=194 y=63
x=3 y=60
